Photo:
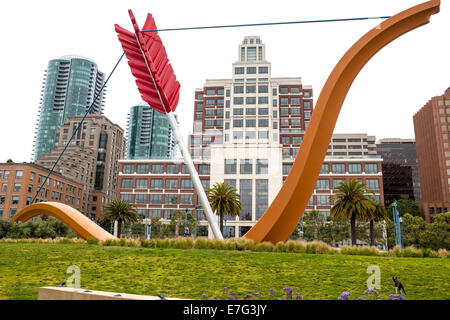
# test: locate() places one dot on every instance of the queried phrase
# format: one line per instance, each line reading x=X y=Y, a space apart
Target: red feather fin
x=150 y=65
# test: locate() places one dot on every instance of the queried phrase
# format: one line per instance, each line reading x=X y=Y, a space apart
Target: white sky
x=398 y=81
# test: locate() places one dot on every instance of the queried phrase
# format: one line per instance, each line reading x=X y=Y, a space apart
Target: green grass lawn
x=24 y=267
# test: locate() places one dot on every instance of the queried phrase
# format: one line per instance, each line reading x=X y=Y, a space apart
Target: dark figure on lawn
x=398 y=285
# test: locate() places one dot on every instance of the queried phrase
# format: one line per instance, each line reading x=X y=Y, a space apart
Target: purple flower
x=298 y=296
x=361 y=298
x=256 y=294
x=204 y=296
x=396 y=297
x=271 y=292
x=224 y=289
x=344 y=295
x=232 y=293
x=369 y=291
x=247 y=296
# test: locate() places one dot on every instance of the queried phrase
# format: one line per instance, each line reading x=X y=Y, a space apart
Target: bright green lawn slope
x=24 y=267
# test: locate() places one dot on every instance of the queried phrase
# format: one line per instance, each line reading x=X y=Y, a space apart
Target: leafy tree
x=352 y=202
x=224 y=200
x=378 y=214
x=120 y=211
x=9 y=161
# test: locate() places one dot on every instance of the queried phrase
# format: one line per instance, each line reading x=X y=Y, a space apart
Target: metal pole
x=401 y=233
x=303 y=237
x=194 y=176
x=196 y=222
x=145 y=228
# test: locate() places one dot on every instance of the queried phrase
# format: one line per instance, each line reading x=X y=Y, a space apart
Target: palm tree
x=352 y=202
x=224 y=200
x=378 y=214
x=120 y=211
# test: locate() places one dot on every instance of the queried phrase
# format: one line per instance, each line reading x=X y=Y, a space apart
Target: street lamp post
x=401 y=232
x=301 y=230
x=186 y=229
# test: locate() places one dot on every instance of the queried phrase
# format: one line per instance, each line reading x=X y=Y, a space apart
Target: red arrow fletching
x=150 y=65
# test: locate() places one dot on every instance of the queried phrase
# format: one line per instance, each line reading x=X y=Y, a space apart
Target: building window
x=297 y=140
x=262 y=198
x=251 y=54
x=186 y=184
x=199 y=107
x=17 y=187
x=285 y=140
x=156 y=184
x=263 y=70
x=263 y=89
x=325 y=168
x=19 y=174
x=128 y=168
x=210 y=92
x=338 y=168
x=246 y=199
x=263 y=111
x=250 y=100
x=127 y=183
x=12 y=212
x=251 y=70
x=204 y=169
x=250 y=123
x=171 y=184
x=140 y=198
x=246 y=166
x=171 y=199
x=263 y=100
x=295 y=101
x=295 y=111
x=141 y=183
x=323 y=184
x=238 y=89
x=336 y=182
x=323 y=200
x=205 y=183
x=237 y=123
x=371 y=168
x=154 y=213
x=286 y=168
x=263 y=135
x=172 y=168
x=142 y=168
x=372 y=184
x=230 y=166
x=307 y=104
x=262 y=166
x=238 y=100
x=239 y=70
x=186 y=199
x=238 y=111
x=15 y=200
x=354 y=168
x=250 y=111
x=156 y=198
x=264 y=123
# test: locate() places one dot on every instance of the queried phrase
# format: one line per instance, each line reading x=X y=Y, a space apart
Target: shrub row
x=242 y=244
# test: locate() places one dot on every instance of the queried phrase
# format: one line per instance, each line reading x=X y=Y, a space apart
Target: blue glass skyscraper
x=70 y=86
x=149 y=135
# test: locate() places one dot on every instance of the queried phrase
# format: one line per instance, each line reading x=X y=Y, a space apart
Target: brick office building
x=20 y=181
x=432 y=128
x=91 y=159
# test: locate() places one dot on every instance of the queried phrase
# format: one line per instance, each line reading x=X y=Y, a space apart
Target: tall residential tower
x=149 y=135
x=71 y=84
